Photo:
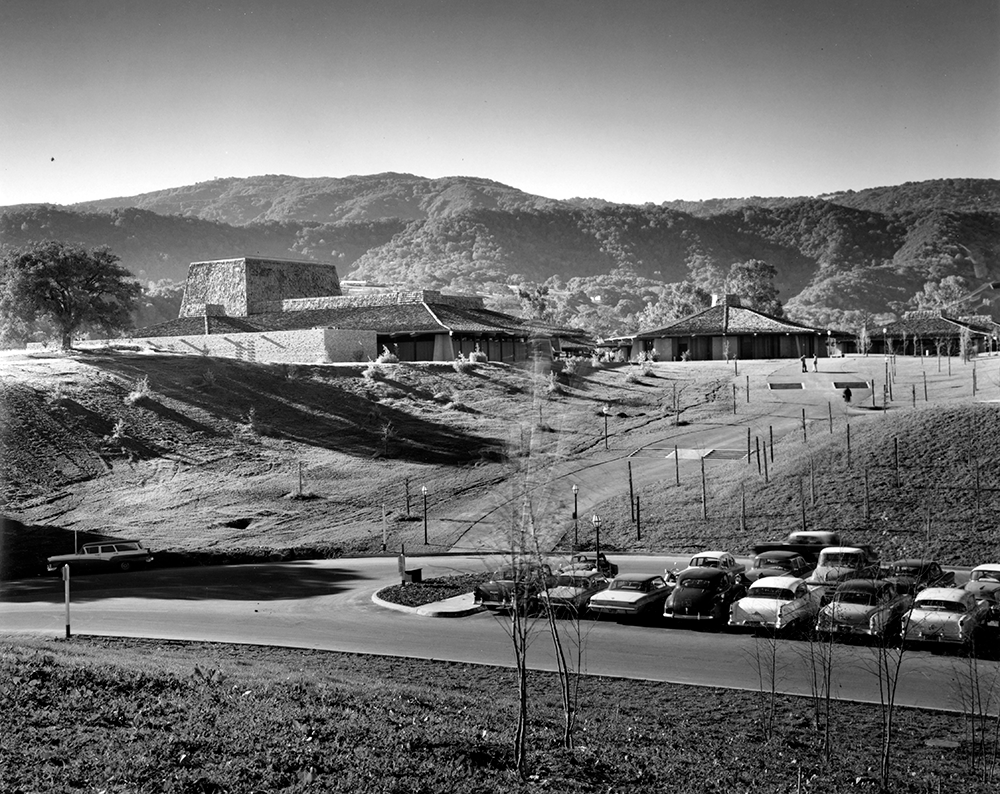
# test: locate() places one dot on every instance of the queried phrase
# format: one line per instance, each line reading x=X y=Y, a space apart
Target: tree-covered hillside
x=603 y=266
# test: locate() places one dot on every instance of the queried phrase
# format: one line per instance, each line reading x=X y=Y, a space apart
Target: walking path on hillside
x=649 y=447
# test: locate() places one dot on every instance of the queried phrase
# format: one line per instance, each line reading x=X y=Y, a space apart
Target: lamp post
x=423 y=493
x=604 y=410
x=596 y=520
x=576 y=521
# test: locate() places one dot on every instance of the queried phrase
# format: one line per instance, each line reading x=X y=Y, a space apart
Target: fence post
x=638 y=522
x=765 y=462
x=867 y=505
x=704 y=492
x=895 y=456
x=804 y=426
x=829 y=410
x=770 y=433
x=631 y=493
x=677 y=466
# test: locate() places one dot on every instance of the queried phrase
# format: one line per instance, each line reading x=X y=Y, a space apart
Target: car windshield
x=775 y=593
x=697 y=584
x=905 y=570
x=936 y=605
x=985 y=576
x=704 y=562
x=572 y=581
x=854 y=597
x=627 y=584
x=842 y=560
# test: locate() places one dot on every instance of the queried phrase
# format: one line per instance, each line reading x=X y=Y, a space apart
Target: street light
x=605 y=411
x=423 y=492
x=576 y=522
x=596 y=521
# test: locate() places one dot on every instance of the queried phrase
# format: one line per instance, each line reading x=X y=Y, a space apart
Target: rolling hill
x=836 y=256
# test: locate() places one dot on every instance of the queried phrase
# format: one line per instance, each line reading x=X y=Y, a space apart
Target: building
x=727 y=330
x=274 y=310
x=933 y=332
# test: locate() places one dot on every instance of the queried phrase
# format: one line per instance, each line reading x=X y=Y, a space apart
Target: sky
x=625 y=100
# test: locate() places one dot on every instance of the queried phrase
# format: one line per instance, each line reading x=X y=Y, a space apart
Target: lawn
x=125 y=715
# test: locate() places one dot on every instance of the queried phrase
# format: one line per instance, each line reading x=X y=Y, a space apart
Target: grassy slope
x=144 y=716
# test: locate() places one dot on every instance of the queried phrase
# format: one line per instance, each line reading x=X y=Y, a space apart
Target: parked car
x=630 y=595
x=722 y=560
x=703 y=594
x=587 y=562
x=572 y=590
x=944 y=615
x=103 y=555
x=913 y=575
x=779 y=563
x=807 y=542
x=864 y=606
x=779 y=603
x=838 y=564
x=515 y=585
x=984 y=584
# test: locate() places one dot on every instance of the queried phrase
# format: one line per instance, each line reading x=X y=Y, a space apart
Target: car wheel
x=124 y=565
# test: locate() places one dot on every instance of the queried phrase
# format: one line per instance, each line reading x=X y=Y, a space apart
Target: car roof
x=778 y=554
x=989 y=566
x=863 y=585
x=783 y=582
x=109 y=542
x=913 y=562
x=840 y=549
x=942 y=594
x=704 y=573
x=587 y=574
x=637 y=577
x=710 y=554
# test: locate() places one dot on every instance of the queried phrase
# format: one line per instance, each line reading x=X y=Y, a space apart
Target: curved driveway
x=327 y=605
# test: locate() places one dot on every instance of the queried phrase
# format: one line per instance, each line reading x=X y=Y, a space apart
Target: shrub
x=462 y=364
x=118 y=431
x=478 y=356
x=553 y=386
x=634 y=375
x=373 y=372
x=140 y=392
x=387 y=356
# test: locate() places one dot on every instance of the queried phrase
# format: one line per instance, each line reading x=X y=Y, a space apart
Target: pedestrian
x=815 y=362
x=847 y=395
x=803 y=360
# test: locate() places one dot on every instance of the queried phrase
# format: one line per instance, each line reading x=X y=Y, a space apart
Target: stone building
x=272 y=310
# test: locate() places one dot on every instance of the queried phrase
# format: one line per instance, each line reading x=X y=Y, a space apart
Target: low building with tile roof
x=727 y=330
x=271 y=310
x=934 y=332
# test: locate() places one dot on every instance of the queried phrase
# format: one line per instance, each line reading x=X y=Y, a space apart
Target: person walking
x=803 y=360
x=815 y=362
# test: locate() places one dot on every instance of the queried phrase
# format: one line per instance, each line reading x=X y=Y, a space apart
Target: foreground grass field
x=117 y=715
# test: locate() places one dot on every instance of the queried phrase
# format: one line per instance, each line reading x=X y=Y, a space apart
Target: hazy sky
x=628 y=101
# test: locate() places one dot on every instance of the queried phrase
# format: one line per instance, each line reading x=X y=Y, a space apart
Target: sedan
x=630 y=595
x=703 y=594
x=572 y=590
x=779 y=563
x=779 y=603
x=913 y=575
x=722 y=560
x=864 y=606
x=984 y=584
x=103 y=555
x=944 y=615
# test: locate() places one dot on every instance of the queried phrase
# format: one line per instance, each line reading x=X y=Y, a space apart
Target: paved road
x=327 y=605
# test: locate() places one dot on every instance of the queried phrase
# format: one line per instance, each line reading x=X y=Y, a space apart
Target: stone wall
x=309 y=346
x=249 y=285
x=370 y=300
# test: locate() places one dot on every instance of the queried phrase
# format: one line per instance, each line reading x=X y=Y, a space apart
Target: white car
x=103 y=555
x=944 y=615
x=775 y=602
x=572 y=590
x=631 y=594
x=838 y=564
x=864 y=606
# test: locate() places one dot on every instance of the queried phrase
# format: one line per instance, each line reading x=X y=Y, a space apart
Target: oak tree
x=69 y=288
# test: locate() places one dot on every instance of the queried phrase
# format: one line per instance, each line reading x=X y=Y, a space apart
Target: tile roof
x=395 y=318
x=933 y=323
x=728 y=320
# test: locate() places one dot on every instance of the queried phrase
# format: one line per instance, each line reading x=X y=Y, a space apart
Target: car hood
x=982 y=588
x=619 y=596
x=563 y=593
x=831 y=573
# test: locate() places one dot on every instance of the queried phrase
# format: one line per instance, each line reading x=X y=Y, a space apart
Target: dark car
x=513 y=586
x=105 y=555
x=779 y=563
x=703 y=594
x=913 y=575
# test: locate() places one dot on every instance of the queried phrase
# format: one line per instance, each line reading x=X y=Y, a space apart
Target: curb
x=432 y=610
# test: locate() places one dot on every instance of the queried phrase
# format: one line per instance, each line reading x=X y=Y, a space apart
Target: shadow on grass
x=263 y=582
x=320 y=414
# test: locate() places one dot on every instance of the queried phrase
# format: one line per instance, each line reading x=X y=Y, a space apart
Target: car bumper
x=608 y=609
